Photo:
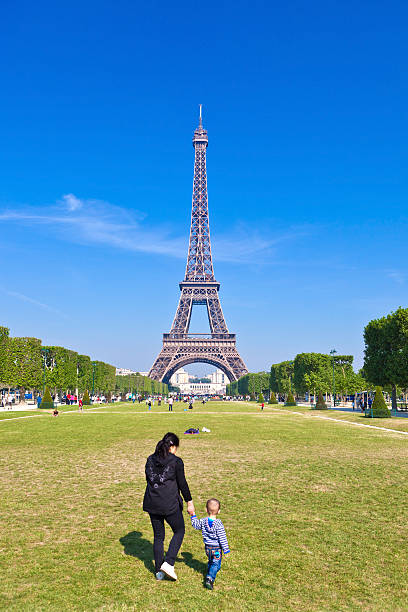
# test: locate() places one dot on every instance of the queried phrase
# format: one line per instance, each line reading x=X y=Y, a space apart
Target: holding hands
x=190 y=508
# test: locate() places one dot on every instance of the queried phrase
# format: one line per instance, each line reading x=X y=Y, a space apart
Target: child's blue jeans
x=214 y=554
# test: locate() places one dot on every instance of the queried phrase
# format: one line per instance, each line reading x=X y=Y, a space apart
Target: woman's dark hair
x=163 y=447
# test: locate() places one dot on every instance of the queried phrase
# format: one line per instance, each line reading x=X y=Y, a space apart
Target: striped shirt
x=213 y=535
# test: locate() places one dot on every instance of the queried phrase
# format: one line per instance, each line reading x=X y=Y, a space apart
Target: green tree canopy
x=379 y=408
x=280 y=377
x=46 y=401
x=386 y=351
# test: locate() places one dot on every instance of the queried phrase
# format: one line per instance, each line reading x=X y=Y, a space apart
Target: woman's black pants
x=176 y=522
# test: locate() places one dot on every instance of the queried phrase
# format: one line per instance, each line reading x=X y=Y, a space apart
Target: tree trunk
x=394 y=398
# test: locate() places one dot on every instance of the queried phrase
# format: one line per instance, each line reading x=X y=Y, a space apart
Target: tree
x=386 y=351
x=320 y=404
x=84 y=365
x=61 y=369
x=272 y=398
x=290 y=400
x=281 y=376
x=85 y=400
x=261 y=398
x=379 y=408
x=23 y=363
x=313 y=372
x=4 y=339
x=46 y=401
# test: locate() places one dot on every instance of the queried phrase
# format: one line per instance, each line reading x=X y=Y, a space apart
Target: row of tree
x=141 y=385
x=250 y=384
x=385 y=364
x=26 y=364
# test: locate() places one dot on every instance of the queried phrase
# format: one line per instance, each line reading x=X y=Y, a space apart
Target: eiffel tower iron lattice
x=199 y=287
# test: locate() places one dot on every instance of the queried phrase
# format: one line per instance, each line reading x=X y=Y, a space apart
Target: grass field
x=315 y=510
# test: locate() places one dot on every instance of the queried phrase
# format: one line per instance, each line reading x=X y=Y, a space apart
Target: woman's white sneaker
x=169 y=570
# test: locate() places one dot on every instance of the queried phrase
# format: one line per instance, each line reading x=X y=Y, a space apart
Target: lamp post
x=332 y=353
x=44 y=353
x=93 y=378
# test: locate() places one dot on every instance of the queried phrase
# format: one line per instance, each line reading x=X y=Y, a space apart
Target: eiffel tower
x=199 y=287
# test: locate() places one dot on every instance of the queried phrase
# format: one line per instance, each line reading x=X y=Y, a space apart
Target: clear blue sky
x=306 y=109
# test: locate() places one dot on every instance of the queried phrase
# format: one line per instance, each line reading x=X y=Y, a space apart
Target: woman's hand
x=190 y=508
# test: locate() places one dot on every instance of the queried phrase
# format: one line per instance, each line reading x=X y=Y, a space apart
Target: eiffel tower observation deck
x=199 y=287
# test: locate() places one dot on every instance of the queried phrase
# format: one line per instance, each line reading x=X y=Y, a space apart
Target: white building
x=190 y=386
x=124 y=372
x=218 y=378
x=181 y=377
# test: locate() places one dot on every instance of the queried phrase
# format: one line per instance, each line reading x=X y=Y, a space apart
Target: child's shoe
x=160 y=575
x=209 y=584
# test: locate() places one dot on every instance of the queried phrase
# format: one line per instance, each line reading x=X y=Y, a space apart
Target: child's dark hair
x=212 y=501
x=163 y=447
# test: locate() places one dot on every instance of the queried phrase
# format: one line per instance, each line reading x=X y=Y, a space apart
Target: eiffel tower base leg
x=178 y=352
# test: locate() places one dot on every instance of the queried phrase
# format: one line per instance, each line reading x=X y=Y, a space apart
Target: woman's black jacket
x=165 y=480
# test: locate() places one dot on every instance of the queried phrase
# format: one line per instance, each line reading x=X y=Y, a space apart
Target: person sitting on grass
x=55 y=412
x=215 y=540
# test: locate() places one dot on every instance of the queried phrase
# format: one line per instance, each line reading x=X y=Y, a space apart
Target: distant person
x=215 y=540
x=190 y=406
x=55 y=412
x=149 y=404
x=39 y=400
x=262 y=406
x=165 y=481
x=170 y=404
x=80 y=406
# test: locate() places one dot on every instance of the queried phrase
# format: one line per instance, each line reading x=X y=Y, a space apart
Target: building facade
x=190 y=385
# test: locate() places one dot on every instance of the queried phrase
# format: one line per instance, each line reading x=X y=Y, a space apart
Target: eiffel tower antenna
x=199 y=287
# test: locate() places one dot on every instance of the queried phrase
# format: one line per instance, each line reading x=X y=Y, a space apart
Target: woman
x=165 y=479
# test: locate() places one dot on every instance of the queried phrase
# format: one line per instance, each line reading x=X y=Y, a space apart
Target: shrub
x=379 y=408
x=253 y=399
x=320 y=404
x=290 y=400
x=261 y=398
x=272 y=398
x=85 y=400
x=46 y=401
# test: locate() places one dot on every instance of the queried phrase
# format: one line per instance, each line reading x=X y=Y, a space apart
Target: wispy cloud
x=29 y=300
x=71 y=201
x=244 y=244
x=397 y=276
x=89 y=221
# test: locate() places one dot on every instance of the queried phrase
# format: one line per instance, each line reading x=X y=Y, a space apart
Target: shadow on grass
x=195 y=564
x=136 y=546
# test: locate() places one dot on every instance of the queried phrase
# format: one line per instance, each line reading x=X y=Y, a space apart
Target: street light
x=332 y=353
x=44 y=353
x=93 y=378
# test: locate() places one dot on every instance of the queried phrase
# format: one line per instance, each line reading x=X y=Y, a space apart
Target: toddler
x=215 y=539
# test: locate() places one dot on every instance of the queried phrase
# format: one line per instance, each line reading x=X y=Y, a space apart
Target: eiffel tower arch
x=199 y=287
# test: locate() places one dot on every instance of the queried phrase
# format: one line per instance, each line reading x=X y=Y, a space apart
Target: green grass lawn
x=315 y=510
